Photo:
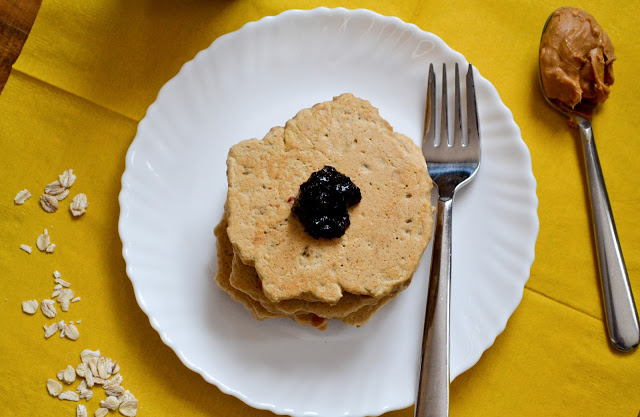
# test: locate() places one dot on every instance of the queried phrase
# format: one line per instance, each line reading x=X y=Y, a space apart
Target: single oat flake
x=88 y=376
x=67 y=178
x=22 y=196
x=129 y=405
x=82 y=387
x=50 y=248
x=69 y=396
x=43 y=241
x=104 y=367
x=110 y=402
x=71 y=332
x=69 y=374
x=62 y=195
x=48 y=308
x=54 y=188
x=54 y=387
x=30 y=307
x=25 y=248
x=50 y=330
x=49 y=203
x=62 y=283
x=66 y=293
x=115 y=391
x=79 y=204
x=87 y=354
x=113 y=382
x=101 y=412
x=80 y=369
x=81 y=411
x=86 y=394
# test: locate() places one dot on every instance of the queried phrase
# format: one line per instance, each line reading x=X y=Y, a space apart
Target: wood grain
x=16 y=20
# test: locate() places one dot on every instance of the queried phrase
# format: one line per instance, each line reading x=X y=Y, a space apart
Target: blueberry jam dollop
x=322 y=203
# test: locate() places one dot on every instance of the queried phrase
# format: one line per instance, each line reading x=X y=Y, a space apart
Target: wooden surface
x=16 y=19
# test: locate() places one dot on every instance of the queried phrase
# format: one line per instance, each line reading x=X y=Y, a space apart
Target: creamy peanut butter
x=576 y=58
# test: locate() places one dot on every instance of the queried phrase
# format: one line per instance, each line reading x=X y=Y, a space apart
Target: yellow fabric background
x=89 y=70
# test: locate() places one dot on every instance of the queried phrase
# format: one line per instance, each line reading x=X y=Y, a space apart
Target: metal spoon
x=621 y=314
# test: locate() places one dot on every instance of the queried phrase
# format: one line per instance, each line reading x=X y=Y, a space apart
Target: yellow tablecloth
x=89 y=70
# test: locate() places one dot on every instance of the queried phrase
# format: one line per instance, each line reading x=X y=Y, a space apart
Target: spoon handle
x=622 y=317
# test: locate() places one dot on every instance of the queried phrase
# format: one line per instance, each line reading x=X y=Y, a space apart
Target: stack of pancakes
x=270 y=264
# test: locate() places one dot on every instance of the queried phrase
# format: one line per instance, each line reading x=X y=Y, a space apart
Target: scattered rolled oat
x=81 y=387
x=115 y=381
x=104 y=367
x=22 y=196
x=129 y=405
x=51 y=330
x=86 y=394
x=68 y=375
x=43 y=241
x=80 y=369
x=67 y=178
x=110 y=402
x=60 y=375
x=62 y=283
x=79 y=204
x=92 y=363
x=101 y=412
x=99 y=381
x=87 y=354
x=62 y=195
x=69 y=396
x=115 y=390
x=54 y=188
x=65 y=297
x=75 y=300
x=48 y=308
x=54 y=387
x=81 y=411
x=56 y=274
x=71 y=332
x=25 y=248
x=30 y=307
x=88 y=376
x=51 y=248
x=95 y=369
x=49 y=203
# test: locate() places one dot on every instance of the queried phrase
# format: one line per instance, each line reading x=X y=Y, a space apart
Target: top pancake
x=390 y=227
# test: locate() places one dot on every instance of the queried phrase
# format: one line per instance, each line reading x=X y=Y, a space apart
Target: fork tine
x=473 y=133
x=444 y=113
x=429 y=134
x=457 y=126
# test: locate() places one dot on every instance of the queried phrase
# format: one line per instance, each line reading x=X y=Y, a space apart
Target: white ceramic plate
x=174 y=187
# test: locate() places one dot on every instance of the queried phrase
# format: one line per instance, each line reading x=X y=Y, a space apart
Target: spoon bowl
x=583 y=108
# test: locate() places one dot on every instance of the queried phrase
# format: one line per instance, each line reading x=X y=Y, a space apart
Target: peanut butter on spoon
x=576 y=61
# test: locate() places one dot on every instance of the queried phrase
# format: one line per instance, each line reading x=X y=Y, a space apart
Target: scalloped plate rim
x=124 y=203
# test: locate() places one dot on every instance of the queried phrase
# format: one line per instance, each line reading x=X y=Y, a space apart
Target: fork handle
x=433 y=384
x=622 y=317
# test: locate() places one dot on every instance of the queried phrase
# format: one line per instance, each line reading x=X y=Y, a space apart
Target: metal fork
x=450 y=165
